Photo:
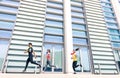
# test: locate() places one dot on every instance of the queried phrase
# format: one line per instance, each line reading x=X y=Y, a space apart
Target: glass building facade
x=8 y=11
x=92 y=27
x=112 y=26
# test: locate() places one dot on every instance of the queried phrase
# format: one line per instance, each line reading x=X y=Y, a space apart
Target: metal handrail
x=35 y=68
x=5 y=70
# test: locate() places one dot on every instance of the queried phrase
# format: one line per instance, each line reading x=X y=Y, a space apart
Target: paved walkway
x=56 y=76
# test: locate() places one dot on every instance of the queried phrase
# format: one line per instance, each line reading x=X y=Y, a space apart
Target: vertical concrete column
x=68 y=43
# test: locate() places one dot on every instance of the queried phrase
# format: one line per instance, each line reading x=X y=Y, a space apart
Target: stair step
x=21 y=64
x=20 y=70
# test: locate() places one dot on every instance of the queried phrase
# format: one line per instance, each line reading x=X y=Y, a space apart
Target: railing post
x=35 y=67
x=80 y=58
x=42 y=59
x=99 y=68
x=6 y=66
x=53 y=53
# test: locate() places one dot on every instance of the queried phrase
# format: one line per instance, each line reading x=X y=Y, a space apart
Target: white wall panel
x=100 y=45
x=30 y=14
x=25 y=42
x=29 y=27
x=104 y=62
x=99 y=38
x=25 y=20
x=102 y=53
x=27 y=33
x=26 y=38
x=100 y=41
x=31 y=10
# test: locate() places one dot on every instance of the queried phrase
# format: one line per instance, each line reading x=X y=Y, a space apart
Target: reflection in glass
x=83 y=56
x=57 y=50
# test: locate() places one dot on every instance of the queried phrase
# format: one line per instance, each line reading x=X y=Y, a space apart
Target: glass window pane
x=8 y=25
x=54 y=23
x=79 y=33
x=78 y=20
x=77 y=14
x=11 y=2
x=57 y=48
x=5 y=34
x=105 y=0
x=83 y=56
x=77 y=2
x=107 y=9
x=113 y=37
x=49 y=38
x=115 y=44
x=78 y=26
x=111 y=25
x=117 y=57
x=106 y=4
x=76 y=8
x=53 y=30
x=110 y=19
x=8 y=8
x=7 y=16
x=55 y=16
x=79 y=41
x=108 y=14
x=54 y=10
x=54 y=4
x=113 y=31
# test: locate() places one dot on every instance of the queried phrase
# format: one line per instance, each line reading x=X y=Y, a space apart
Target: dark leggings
x=48 y=63
x=30 y=59
x=74 y=65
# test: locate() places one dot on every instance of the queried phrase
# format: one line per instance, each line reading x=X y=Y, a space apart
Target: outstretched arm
x=26 y=51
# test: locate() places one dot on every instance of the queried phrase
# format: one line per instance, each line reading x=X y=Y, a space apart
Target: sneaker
x=23 y=70
x=74 y=73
